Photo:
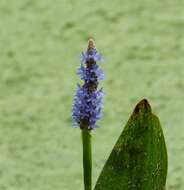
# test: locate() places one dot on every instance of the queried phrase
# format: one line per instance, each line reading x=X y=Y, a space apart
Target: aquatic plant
x=138 y=160
x=87 y=108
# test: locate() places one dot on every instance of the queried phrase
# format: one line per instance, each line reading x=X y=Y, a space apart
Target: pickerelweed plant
x=138 y=160
x=87 y=108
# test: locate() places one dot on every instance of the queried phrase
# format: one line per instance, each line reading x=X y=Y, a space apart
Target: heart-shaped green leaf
x=138 y=160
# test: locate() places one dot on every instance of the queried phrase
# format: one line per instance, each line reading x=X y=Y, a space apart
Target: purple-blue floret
x=91 y=54
x=90 y=74
x=87 y=108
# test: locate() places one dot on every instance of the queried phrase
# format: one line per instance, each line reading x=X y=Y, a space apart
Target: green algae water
x=40 y=45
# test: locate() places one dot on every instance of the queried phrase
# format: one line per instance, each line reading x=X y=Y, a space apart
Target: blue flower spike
x=87 y=108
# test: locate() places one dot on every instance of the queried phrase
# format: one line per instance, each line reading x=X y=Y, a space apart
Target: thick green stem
x=87 y=161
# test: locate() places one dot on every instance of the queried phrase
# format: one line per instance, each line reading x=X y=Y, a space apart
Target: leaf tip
x=142 y=106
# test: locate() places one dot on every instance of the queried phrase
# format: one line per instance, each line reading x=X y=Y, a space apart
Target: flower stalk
x=87 y=159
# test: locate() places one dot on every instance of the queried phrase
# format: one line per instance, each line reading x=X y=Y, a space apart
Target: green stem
x=87 y=161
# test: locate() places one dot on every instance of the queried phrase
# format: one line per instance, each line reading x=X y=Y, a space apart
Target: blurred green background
x=142 y=42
